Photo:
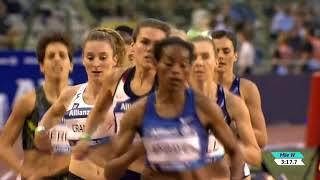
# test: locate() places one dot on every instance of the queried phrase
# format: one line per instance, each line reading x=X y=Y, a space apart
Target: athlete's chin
x=148 y=66
x=200 y=77
x=176 y=88
x=220 y=70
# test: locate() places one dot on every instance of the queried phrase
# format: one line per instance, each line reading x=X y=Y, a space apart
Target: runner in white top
x=103 y=48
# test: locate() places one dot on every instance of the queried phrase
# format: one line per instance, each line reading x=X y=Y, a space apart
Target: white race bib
x=215 y=148
x=59 y=141
x=173 y=149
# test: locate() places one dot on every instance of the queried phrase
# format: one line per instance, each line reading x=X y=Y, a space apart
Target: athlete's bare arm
x=53 y=116
x=104 y=100
x=128 y=127
x=115 y=168
x=212 y=117
x=21 y=109
x=251 y=96
x=10 y=159
x=239 y=113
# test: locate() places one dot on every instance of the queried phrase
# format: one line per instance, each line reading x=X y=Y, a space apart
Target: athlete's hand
x=42 y=141
x=81 y=149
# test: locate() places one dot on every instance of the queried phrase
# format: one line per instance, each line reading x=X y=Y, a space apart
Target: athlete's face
x=226 y=54
x=205 y=62
x=173 y=67
x=143 y=47
x=56 y=63
x=98 y=58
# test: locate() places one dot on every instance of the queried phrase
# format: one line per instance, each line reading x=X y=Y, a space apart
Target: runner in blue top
x=174 y=121
x=226 y=48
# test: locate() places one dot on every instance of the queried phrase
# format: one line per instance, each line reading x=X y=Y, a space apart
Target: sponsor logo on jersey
x=77 y=113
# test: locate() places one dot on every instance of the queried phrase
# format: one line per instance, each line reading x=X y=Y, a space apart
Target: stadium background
x=284 y=87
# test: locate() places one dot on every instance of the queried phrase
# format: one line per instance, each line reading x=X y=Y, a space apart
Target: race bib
x=215 y=148
x=76 y=128
x=59 y=141
x=175 y=149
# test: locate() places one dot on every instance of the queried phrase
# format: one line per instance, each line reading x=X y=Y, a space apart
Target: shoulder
x=27 y=100
x=248 y=87
x=249 y=92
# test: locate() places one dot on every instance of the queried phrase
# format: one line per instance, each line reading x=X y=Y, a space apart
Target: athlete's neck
x=142 y=81
x=53 y=89
x=225 y=78
x=166 y=97
x=92 y=90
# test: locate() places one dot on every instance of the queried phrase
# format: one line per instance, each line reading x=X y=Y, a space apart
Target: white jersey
x=75 y=119
x=123 y=97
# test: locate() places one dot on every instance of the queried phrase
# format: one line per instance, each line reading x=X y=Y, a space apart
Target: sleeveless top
x=124 y=97
x=75 y=119
x=174 y=144
x=215 y=149
x=57 y=134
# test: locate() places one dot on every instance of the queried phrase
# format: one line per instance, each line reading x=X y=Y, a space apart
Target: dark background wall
x=284 y=98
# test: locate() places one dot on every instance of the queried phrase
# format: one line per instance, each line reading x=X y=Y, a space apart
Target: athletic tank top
x=124 y=97
x=235 y=89
x=75 y=119
x=57 y=134
x=215 y=149
x=174 y=144
x=31 y=122
x=235 y=86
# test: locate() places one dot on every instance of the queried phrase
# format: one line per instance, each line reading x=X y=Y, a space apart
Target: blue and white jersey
x=174 y=144
x=75 y=119
x=124 y=97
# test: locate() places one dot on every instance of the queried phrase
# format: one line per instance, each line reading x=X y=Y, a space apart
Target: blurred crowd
x=281 y=38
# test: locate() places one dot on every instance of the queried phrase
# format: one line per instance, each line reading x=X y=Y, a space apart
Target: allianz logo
x=79 y=112
x=122 y=106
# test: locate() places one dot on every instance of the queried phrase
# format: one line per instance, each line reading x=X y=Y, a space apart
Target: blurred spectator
x=311 y=55
x=282 y=56
x=4 y=27
x=200 y=23
x=282 y=21
x=246 y=53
